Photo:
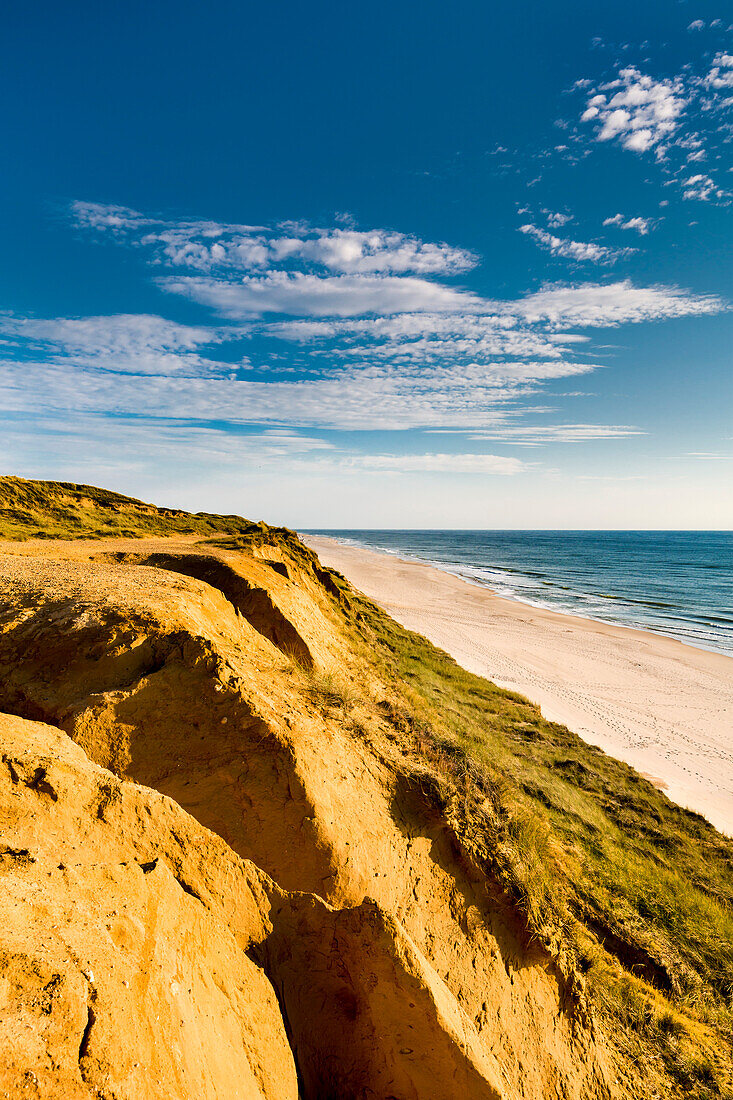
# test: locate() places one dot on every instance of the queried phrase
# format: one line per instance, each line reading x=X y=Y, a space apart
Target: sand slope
x=255 y=881
x=662 y=706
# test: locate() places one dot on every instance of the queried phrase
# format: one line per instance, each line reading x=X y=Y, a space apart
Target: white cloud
x=64 y=446
x=696 y=25
x=97 y=215
x=641 y=225
x=480 y=350
x=535 y=434
x=343 y=250
x=637 y=111
x=350 y=251
x=710 y=455
x=680 y=118
x=429 y=336
x=455 y=366
x=143 y=455
x=208 y=246
x=459 y=371
x=443 y=463
x=349 y=399
x=137 y=343
x=460 y=386
x=387 y=349
x=556 y=221
x=302 y=294
x=610 y=304
x=575 y=250
x=702 y=188
x=720 y=77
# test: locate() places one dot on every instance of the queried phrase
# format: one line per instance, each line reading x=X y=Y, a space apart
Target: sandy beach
x=664 y=707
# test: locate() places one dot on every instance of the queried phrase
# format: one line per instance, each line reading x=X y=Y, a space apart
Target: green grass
x=643 y=887
x=62 y=510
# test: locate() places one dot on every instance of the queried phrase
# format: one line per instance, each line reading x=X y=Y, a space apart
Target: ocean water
x=678 y=583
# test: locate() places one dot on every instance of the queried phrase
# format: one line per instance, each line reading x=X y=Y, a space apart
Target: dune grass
x=645 y=887
x=63 y=510
x=329 y=689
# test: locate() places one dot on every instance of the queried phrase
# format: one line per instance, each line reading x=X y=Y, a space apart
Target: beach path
x=664 y=707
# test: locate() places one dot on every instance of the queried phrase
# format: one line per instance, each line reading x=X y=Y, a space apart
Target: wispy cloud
x=710 y=456
x=478 y=336
x=208 y=246
x=134 y=343
x=585 y=251
x=373 y=349
x=444 y=463
x=531 y=435
x=302 y=294
x=595 y=305
x=409 y=384
x=353 y=398
x=106 y=216
x=82 y=446
x=70 y=444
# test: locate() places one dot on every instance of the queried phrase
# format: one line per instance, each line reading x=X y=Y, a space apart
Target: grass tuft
x=330 y=690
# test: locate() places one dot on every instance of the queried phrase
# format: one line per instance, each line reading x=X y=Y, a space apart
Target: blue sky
x=403 y=264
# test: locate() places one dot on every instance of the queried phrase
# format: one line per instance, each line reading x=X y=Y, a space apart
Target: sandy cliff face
x=126 y=932
x=269 y=897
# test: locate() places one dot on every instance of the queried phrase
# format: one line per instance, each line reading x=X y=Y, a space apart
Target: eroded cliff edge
x=236 y=863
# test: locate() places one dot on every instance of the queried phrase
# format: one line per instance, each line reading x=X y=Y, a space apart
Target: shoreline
x=513 y=597
x=656 y=702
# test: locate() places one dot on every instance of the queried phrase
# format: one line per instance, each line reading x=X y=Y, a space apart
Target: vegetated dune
x=257 y=841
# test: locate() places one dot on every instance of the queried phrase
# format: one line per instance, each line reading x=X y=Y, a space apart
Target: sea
x=677 y=583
